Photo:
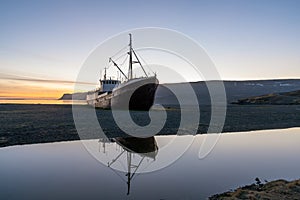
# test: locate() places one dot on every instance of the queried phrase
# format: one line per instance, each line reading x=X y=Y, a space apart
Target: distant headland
x=74 y=96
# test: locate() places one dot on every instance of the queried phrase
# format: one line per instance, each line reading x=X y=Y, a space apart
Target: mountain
x=284 y=98
x=235 y=90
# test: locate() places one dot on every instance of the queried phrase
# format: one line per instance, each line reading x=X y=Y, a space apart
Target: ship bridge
x=107 y=85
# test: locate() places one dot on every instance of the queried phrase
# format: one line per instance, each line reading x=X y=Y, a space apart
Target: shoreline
x=31 y=124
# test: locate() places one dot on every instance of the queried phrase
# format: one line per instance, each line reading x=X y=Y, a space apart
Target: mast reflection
x=134 y=148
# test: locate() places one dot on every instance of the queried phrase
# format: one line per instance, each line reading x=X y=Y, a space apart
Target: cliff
x=74 y=96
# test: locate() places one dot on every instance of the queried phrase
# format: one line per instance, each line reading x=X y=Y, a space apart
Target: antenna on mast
x=130 y=57
x=105 y=73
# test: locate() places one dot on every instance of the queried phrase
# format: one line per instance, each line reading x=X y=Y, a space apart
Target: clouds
x=8 y=77
x=15 y=86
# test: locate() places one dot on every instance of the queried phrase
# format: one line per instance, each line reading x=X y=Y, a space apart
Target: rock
x=3 y=140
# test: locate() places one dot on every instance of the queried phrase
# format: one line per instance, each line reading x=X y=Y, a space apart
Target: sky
x=44 y=43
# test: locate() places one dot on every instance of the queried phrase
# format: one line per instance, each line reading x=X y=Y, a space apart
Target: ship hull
x=135 y=95
x=103 y=101
x=91 y=97
x=99 y=101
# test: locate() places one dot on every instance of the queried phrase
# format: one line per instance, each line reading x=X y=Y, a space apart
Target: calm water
x=66 y=170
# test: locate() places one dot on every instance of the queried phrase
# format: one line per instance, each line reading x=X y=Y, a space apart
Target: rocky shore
x=275 y=190
x=284 y=98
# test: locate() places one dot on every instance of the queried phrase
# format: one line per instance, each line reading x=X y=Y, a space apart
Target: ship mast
x=131 y=62
x=130 y=58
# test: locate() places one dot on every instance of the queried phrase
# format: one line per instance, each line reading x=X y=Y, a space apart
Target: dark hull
x=143 y=97
x=138 y=95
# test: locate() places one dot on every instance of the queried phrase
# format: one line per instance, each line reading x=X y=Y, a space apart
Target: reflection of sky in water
x=65 y=170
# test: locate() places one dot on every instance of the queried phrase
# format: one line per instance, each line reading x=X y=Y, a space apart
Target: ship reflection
x=136 y=151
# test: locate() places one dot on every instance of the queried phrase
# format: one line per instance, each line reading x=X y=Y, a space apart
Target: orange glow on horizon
x=35 y=91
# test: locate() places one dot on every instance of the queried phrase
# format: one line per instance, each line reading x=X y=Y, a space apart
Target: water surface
x=66 y=170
